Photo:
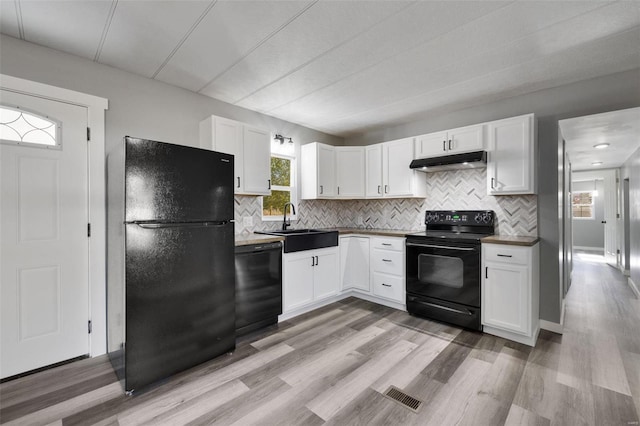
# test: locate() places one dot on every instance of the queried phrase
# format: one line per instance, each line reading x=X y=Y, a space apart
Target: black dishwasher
x=258 y=286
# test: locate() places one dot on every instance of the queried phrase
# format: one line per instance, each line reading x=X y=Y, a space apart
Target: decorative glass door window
x=21 y=127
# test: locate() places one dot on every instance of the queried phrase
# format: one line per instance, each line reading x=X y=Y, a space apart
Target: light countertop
x=248 y=239
x=512 y=240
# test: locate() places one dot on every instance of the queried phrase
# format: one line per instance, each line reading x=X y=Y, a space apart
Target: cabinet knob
x=321 y=189
x=449 y=144
x=444 y=145
x=386 y=285
x=379 y=188
x=238 y=181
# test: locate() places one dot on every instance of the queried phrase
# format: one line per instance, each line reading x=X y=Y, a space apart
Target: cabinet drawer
x=506 y=254
x=396 y=244
x=388 y=286
x=389 y=262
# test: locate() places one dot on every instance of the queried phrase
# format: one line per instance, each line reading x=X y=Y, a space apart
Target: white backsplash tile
x=457 y=189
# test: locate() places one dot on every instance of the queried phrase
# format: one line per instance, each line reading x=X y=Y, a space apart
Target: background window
x=282 y=187
x=582 y=205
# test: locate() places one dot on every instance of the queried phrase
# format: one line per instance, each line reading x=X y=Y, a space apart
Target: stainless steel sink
x=305 y=239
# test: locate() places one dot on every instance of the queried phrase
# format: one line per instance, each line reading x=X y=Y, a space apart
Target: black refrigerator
x=170 y=259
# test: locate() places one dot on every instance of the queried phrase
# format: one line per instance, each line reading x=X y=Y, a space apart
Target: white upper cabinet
x=398 y=179
x=511 y=162
x=257 y=161
x=388 y=173
x=250 y=147
x=350 y=172
x=318 y=164
x=455 y=141
x=373 y=170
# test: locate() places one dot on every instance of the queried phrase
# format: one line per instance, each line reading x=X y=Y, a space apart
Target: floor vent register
x=402 y=398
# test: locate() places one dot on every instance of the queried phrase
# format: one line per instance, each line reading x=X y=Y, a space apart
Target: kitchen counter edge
x=511 y=240
x=247 y=240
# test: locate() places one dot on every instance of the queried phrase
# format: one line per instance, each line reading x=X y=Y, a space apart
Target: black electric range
x=443 y=266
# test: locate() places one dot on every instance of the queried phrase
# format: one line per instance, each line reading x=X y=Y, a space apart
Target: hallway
x=590 y=375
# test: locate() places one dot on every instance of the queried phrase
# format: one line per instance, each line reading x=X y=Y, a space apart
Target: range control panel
x=459 y=217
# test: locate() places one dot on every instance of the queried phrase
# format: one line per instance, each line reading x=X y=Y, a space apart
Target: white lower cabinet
x=387 y=268
x=309 y=276
x=388 y=286
x=373 y=268
x=510 y=292
x=354 y=263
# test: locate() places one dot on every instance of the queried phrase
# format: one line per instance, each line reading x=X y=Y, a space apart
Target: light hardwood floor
x=331 y=366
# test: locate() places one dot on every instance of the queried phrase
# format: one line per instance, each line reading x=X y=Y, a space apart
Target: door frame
x=609 y=197
x=96 y=208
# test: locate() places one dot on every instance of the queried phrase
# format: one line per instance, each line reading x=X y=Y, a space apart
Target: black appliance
x=170 y=251
x=443 y=266
x=258 y=286
x=467 y=160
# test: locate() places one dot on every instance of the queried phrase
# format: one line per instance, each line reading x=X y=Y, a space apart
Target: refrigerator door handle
x=158 y=225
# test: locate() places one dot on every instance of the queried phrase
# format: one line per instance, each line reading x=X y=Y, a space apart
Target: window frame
x=592 y=205
x=292 y=188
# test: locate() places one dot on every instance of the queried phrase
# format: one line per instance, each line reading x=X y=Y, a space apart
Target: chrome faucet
x=285 y=224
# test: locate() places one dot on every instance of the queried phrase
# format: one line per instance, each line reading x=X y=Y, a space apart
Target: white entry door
x=43 y=232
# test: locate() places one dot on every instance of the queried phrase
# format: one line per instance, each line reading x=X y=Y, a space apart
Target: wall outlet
x=247 y=221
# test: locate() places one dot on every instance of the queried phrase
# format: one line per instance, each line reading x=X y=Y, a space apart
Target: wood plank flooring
x=332 y=365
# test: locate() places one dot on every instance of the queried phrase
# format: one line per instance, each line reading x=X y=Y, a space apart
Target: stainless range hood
x=468 y=160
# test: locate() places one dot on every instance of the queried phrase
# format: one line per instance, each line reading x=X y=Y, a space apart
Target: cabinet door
x=257 y=161
x=397 y=176
x=350 y=172
x=511 y=161
x=388 y=286
x=431 y=145
x=326 y=171
x=506 y=301
x=326 y=281
x=373 y=161
x=227 y=138
x=466 y=139
x=355 y=263
x=297 y=280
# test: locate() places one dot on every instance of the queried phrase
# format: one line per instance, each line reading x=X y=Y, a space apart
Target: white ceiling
x=620 y=129
x=342 y=67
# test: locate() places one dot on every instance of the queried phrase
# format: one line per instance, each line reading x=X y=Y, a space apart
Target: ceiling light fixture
x=281 y=138
x=597 y=163
x=601 y=146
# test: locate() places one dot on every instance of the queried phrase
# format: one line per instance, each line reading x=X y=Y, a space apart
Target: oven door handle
x=446 y=308
x=441 y=247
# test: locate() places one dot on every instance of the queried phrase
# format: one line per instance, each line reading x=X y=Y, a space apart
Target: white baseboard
x=634 y=287
x=551 y=326
x=555 y=327
x=312 y=306
x=379 y=300
x=343 y=295
x=587 y=248
x=516 y=337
